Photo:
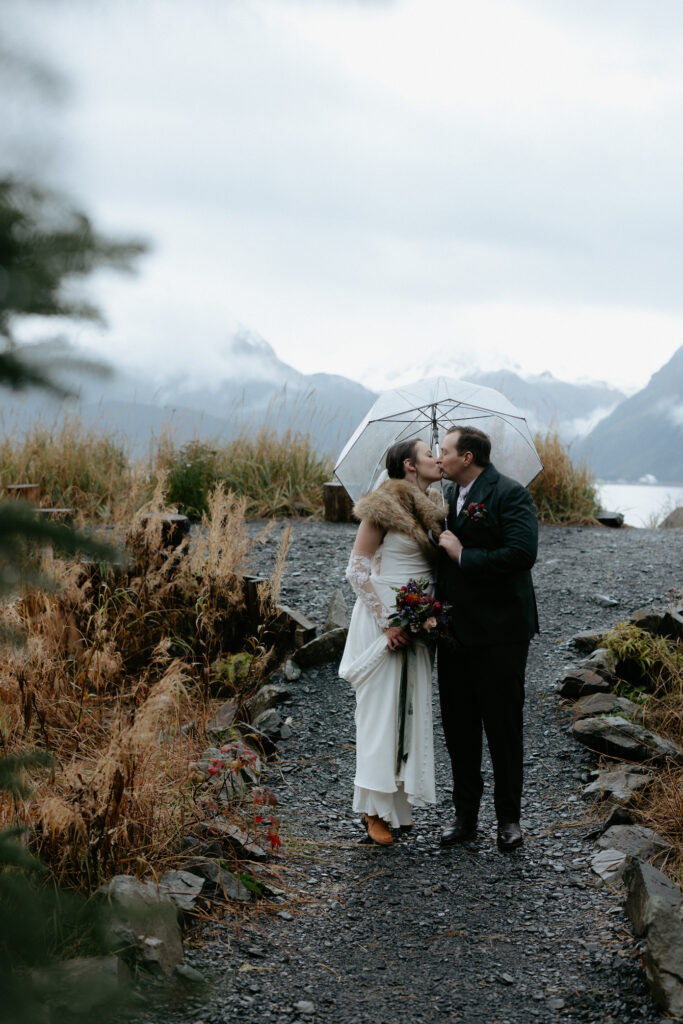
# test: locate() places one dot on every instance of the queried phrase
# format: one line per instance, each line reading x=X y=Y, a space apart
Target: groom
x=485 y=559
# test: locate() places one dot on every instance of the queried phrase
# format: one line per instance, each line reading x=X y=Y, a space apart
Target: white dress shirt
x=462 y=494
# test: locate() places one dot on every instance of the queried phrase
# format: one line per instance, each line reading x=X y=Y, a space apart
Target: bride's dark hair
x=396 y=456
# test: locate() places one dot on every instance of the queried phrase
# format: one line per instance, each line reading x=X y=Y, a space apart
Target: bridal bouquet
x=418 y=613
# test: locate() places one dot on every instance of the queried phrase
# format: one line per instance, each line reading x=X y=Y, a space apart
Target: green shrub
x=191 y=477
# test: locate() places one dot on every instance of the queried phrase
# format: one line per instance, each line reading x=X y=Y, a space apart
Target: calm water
x=640 y=503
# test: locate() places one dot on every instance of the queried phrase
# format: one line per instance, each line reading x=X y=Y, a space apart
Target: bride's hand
x=396 y=638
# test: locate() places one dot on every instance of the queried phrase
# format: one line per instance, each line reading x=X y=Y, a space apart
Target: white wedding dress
x=375 y=673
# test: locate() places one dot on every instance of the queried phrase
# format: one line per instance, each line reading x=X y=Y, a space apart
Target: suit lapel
x=479 y=491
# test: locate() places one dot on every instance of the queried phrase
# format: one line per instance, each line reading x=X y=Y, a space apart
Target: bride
x=391 y=548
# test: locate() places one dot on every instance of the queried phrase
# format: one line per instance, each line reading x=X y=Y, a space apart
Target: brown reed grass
x=115 y=681
x=565 y=491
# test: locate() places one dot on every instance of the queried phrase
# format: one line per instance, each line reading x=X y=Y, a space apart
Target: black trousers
x=483 y=688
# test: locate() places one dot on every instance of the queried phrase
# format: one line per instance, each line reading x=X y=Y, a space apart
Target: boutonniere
x=476 y=512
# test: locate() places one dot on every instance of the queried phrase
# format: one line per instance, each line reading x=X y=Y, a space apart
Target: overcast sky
x=379 y=189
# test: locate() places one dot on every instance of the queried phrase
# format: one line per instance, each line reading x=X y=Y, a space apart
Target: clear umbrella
x=426 y=410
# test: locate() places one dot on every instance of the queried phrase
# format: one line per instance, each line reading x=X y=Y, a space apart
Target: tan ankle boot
x=377 y=829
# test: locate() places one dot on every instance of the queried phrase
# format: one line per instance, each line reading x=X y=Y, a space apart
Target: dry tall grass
x=114 y=666
x=278 y=475
x=654 y=665
x=564 y=492
x=88 y=472
x=94 y=474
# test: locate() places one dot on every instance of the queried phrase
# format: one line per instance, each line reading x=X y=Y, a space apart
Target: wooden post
x=57 y=515
x=338 y=504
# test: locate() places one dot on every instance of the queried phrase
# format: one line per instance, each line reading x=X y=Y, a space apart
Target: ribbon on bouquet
x=405 y=709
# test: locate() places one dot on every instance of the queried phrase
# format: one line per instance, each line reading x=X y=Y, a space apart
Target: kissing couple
x=480 y=565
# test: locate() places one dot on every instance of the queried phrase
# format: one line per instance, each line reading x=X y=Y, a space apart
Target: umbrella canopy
x=426 y=410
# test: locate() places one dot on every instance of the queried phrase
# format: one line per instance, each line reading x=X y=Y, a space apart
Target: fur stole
x=402 y=507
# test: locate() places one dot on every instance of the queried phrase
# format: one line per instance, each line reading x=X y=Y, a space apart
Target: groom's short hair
x=473 y=440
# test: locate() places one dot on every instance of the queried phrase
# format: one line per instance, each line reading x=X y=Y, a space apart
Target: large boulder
x=666 y=622
x=674 y=520
x=649 y=893
x=620 y=738
x=142 y=924
x=617 y=784
x=579 y=682
x=664 y=961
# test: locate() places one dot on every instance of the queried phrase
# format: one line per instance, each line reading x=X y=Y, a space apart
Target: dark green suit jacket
x=491 y=590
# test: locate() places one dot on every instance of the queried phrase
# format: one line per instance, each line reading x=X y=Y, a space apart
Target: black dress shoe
x=462 y=830
x=509 y=836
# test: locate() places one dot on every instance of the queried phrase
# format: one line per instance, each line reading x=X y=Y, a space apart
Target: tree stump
x=174 y=527
x=338 y=504
x=29 y=492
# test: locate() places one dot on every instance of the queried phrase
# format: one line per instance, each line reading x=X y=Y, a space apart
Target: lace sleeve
x=358 y=575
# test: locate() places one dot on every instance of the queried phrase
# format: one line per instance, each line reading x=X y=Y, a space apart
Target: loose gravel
x=413 y=932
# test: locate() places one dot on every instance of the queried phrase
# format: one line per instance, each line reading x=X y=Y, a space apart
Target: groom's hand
x=451 y=545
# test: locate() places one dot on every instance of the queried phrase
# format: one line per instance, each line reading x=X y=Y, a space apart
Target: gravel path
x=413 y=933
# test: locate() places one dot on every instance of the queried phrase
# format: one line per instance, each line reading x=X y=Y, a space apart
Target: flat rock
x=579 y=682
x=270 y=723
x=605 y=601
x=292 y=672
x=620 y=738
x=183 y=887
x=267 y=697
x=605 y=704
x=617 y=784
x=189 y=974
x=587 y=641
x=337 y=613
x=649 y=893
x=220 y=882
x=143 y=924
x=664 y=960
x=632 y=840
x=218 y=727
x=233 y=839
x=302 y=629
x=603 y=661
x=609 y=864
x=614 y=519
x=327 y=647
